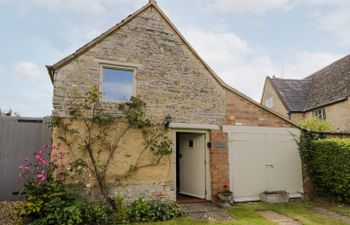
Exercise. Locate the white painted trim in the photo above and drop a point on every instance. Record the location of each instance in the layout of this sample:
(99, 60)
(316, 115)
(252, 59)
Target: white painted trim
(207, 158)
(261, 130)
(120, 67)
(194, 126)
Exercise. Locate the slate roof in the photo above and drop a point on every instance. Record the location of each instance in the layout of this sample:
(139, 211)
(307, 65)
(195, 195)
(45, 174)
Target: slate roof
(294, 93)
(328, 85)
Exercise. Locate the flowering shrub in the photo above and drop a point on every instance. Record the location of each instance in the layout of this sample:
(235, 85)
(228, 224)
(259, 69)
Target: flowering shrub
(49, 200)
(36, 171)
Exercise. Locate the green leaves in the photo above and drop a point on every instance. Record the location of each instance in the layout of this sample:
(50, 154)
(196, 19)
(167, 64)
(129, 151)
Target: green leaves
(328, 165)
(150, 211)
(316, 124)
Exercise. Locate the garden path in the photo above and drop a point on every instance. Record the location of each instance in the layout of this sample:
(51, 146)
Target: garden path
(207, 212)
(334, 215)
(277, 218)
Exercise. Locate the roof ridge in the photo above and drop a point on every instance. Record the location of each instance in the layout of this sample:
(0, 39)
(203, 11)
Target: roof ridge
(332, 64)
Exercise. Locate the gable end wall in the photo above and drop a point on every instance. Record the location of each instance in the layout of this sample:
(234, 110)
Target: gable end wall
(169, 77)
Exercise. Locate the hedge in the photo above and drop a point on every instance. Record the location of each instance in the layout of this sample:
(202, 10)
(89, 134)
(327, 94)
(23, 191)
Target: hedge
(328, 165)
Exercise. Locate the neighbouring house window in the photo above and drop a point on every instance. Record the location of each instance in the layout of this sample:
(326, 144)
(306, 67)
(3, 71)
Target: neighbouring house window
(320, 113)
(117, 84)
(269, 102)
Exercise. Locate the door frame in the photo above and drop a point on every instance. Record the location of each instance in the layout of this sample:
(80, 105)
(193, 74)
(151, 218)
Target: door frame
(207, 159)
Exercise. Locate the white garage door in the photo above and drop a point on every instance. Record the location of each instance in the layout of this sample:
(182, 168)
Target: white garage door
(263, 159)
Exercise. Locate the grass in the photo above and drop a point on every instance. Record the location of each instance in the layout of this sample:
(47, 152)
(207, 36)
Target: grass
(333, 206)
(245, 214)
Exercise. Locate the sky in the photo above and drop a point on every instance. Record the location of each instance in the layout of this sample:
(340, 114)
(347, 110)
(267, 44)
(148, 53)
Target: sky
(242, 40)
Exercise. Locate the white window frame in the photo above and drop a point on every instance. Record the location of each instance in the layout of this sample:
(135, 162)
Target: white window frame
(320, 113)
(117, 67)
(269, 102)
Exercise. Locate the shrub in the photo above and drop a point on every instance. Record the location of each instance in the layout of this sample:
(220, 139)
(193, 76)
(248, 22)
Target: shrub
(49, 199)
(122, 212)
(144, 211)
(328, 165)
(95, 213)
(316, 124)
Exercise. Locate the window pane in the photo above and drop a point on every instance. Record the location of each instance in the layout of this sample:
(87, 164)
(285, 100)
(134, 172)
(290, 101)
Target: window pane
(117, 84)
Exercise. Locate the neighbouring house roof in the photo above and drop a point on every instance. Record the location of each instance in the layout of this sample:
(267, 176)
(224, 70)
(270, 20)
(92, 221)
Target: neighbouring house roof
(294, 93)
(331, 84)
(326, 86)
(52, 69)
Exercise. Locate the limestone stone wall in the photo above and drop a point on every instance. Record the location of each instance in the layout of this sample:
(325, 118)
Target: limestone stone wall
(338, 114)
(169, 77)
(297, 117)
(270, 92)
(148, 182)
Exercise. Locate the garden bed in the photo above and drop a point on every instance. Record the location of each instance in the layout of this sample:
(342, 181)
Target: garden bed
(8, 213)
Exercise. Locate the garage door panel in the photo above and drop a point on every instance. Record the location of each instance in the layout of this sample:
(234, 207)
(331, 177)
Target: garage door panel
(246, 173)
(283, 155)
(263, 159)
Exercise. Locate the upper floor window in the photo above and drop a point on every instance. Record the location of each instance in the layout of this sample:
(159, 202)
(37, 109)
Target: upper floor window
(117, 84)
(269, 102)
(320, 113)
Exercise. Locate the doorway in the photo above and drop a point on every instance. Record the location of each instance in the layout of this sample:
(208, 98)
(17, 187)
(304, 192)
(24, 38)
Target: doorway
(191, 169)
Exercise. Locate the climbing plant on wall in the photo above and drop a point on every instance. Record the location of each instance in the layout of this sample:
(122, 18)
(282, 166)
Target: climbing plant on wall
(95, 140)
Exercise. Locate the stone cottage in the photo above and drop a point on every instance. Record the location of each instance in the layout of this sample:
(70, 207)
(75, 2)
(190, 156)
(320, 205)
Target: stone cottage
(220, 136)
(324, 95)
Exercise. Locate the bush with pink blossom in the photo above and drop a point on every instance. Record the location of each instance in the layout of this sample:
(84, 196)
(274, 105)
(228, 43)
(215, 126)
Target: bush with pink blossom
(49, 198)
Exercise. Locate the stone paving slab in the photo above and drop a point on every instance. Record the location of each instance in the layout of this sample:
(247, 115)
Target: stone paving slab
(277, 218)
(207, 212)
(334, 215)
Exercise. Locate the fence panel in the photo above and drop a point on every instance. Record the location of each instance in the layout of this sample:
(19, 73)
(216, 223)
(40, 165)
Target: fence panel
(20, 137)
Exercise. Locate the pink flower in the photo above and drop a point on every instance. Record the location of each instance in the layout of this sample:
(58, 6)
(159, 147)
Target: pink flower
(23, 168)
(59, 144)
(61, 154)
(26, 159)
(39, 152)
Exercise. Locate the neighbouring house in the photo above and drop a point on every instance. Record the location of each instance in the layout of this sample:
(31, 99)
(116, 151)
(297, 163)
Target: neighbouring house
(324, 94)
(220, 135)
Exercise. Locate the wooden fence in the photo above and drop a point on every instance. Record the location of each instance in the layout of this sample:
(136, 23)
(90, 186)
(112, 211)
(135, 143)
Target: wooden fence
(20, 137)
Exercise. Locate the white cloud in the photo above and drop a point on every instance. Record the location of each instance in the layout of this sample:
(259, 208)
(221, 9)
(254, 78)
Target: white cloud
(306, 63)
(252, 6)
(94, 7)
(245, 68)
(233, 59)
(27, 71)
(329, 15)
(336, 21)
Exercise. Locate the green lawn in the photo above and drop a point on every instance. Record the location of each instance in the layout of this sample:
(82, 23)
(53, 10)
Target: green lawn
(336, 207)
(245, 214)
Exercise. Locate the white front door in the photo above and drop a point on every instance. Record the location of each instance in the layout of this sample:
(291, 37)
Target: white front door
(192, 164)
